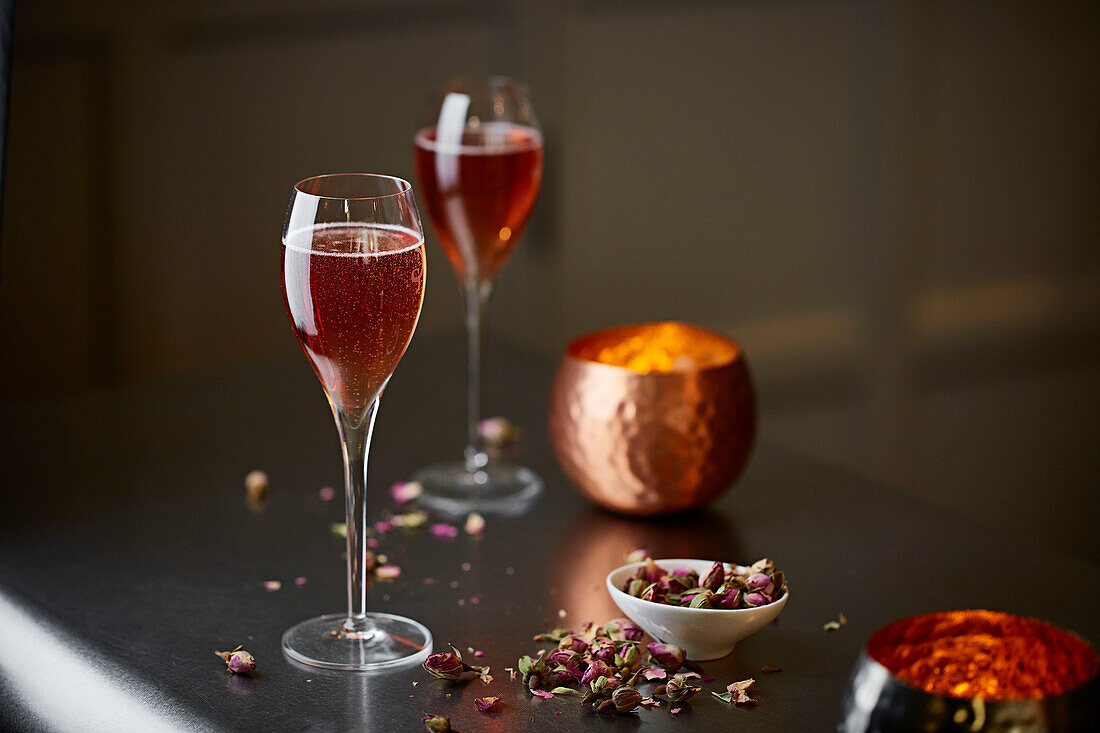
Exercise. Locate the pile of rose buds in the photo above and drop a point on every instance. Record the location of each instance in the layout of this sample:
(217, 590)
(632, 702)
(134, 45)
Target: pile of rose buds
(604, 665)
(759, 585)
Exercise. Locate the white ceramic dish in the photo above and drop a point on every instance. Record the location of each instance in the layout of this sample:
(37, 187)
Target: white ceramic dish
(703, 633)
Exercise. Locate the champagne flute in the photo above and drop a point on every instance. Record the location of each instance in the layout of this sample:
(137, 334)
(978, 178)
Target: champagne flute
(353, 284)
(479, 158)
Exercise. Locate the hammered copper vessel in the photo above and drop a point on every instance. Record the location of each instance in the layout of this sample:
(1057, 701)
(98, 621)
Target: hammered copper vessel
(651, 443)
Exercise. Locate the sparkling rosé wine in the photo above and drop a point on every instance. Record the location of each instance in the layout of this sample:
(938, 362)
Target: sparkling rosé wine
(353, 293)
(479, 192)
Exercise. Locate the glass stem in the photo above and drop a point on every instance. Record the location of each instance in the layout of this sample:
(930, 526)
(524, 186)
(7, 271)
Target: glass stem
(355, 440)
(476, 296)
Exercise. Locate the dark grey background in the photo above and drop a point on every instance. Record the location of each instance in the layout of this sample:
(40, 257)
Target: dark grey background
(893, 206)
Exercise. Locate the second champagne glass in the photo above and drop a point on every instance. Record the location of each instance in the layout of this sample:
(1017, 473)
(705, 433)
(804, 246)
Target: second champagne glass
(479, 159)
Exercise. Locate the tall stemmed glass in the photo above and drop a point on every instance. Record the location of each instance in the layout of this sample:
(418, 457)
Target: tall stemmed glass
(353, 283)
(479, 158)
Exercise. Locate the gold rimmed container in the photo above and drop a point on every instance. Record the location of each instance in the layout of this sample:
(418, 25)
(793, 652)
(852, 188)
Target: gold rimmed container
(653, 418)
(916, 675)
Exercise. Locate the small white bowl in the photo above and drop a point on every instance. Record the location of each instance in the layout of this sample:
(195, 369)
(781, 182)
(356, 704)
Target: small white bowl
(703, 633)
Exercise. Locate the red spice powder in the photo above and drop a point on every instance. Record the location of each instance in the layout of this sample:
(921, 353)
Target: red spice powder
(986, 654)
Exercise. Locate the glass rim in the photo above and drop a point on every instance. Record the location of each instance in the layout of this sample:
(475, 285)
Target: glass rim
(405, 188)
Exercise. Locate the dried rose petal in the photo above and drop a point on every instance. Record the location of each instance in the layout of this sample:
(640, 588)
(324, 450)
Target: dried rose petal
(444, 530)
(327, 493)
(381, 527)
(475, 524)
(542, 693)
(272, 585)
(301, 580)
(654, 673)
(487, 704)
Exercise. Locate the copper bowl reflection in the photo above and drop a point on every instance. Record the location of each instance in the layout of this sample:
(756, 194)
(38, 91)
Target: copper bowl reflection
(652, 443)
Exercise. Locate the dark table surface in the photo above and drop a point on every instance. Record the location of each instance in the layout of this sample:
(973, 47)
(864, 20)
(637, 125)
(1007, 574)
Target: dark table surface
(128, 554)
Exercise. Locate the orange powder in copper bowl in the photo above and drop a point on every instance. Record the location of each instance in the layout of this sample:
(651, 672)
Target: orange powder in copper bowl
(972, 671)
(652, 418)
(986, 654)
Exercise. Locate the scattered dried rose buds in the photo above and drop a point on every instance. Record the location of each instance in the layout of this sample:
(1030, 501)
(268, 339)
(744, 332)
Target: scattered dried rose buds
(437, 723)
(759, 585)
(238, 661)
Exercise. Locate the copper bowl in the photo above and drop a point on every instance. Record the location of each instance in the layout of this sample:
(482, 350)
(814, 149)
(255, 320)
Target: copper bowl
(878, 701)
(669, 435)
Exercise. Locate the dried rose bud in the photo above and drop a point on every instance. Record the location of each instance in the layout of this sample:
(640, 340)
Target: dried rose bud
(603, 649)
(238, 661)
(680, 688)
(565, 657)
(573, 643)
(475, 524)
(604, 685)
(595, 670)
(702, 599)
(387, 572)
(668, 656)
(624, 628)
(653, 571)
(445, 531)
(445, 665)
(630, 657)
(729, 599)
(327, 493)
(713, 578)
(635, 587)
(497, 432)
(257, 487)
(405, 491)
(763, 565)
(758, 581)
(637, 555)
(754, 600)
(437, 723)
(487, 704)
(653, 593)
(626, 698)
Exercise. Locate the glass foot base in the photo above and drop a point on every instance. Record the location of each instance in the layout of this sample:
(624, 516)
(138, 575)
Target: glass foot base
(392, 642)
(498, 488)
